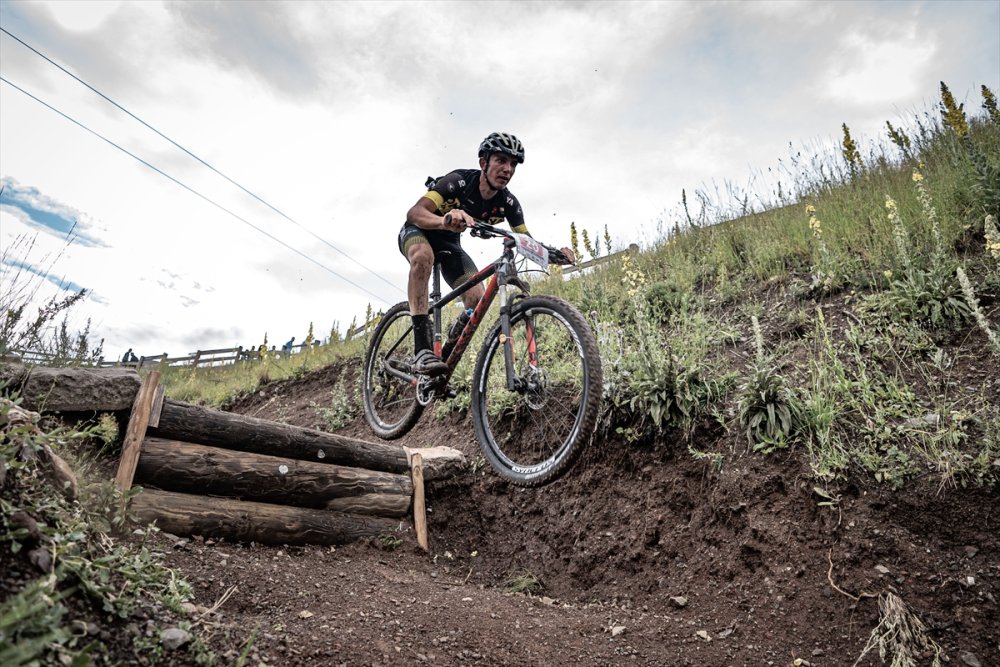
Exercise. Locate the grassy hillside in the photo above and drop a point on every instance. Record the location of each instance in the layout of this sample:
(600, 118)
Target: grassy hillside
(835, 319)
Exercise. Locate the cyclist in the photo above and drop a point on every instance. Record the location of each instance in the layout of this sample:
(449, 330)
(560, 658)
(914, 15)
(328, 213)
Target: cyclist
(434, 225)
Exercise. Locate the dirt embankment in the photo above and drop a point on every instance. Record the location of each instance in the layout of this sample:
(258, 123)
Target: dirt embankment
(641, 555)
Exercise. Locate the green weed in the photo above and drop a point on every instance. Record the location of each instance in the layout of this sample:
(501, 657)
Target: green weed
(522, 581)
(768, 409)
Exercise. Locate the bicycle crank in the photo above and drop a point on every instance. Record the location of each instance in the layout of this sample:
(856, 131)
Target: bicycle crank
(429, 388)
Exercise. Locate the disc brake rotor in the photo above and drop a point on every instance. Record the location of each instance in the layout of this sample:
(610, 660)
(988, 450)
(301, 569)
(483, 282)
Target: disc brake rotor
(536, 395)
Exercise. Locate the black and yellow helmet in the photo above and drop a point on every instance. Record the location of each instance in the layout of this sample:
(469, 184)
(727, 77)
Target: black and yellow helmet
(501, 142)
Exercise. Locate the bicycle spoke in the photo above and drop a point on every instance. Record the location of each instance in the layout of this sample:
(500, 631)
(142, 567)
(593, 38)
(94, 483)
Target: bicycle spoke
(390, 403)
(531, 427)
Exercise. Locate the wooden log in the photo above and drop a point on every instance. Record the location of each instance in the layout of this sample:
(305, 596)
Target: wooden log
(374, 504)
(242, 521)
(191, 423)
(136, 431)
(419, 509)
(72, 389)
(185, 467)
(439, 462)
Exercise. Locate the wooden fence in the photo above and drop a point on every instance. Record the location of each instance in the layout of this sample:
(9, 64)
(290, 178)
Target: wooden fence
(232, 355)
(631, 250)
(218, 357)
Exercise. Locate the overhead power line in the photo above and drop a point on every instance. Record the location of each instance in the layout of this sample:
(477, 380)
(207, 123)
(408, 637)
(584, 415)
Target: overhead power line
(147, 125)
(193, 191)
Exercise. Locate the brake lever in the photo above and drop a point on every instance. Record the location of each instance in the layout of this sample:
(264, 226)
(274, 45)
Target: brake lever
(558, 256)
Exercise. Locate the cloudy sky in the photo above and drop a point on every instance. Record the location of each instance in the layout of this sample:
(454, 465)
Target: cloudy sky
(321, 120)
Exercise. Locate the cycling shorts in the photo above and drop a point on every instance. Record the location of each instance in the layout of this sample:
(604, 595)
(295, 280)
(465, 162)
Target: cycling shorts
(456, 265)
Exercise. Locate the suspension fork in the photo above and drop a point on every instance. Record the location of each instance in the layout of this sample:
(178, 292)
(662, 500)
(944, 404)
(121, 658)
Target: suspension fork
(514, 381)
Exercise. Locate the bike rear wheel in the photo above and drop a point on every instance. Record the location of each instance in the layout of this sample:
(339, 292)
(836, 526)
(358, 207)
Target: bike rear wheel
(533, 433)
(390, 403)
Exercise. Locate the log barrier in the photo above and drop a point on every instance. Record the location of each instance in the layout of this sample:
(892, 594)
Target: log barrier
(223, 475)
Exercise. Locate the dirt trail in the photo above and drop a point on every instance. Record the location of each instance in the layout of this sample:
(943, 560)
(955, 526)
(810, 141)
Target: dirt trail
(642, 555)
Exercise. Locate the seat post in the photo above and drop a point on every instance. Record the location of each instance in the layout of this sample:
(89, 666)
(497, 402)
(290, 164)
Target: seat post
(435, 295)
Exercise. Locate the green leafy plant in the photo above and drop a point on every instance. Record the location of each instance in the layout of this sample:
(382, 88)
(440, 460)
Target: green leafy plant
(665, 299)
(925, 290)
(768, 409)
(522, 581)
(390, 542)
(66, 542)
(343, 407)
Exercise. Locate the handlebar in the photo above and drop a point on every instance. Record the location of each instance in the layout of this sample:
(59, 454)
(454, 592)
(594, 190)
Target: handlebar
(485, 231)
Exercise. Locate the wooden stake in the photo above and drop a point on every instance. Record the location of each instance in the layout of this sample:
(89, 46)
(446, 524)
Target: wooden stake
(419, 509)
(154, 415)
(136, 431)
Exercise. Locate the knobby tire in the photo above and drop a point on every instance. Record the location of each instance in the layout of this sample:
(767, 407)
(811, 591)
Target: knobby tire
(391, 406)
(532, 437)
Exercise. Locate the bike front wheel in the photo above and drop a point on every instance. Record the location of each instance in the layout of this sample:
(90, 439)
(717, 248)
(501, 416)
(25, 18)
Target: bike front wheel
(533, 431)
(391, 406)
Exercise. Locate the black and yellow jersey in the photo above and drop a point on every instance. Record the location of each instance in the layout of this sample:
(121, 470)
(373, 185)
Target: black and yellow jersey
(460, 190)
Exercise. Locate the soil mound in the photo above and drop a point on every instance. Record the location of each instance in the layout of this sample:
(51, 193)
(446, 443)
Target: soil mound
(640, 555)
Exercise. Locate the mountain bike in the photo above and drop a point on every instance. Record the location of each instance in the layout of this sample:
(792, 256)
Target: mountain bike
(536, 387)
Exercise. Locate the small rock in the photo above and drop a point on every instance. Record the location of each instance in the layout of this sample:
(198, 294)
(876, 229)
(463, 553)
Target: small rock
(679, 601)
(970, 659)
(173, 638)
(62, 474)
(617, 630)
(882, 569)
(970, 551)
(305, 613)
(21, 519)
(41, 558)
(725, 633)
(547, 600)
(704, 635)
(928, 420)
(817, 652)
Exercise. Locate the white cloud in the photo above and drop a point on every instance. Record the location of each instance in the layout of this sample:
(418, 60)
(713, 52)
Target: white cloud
(335, 114)
(878, 71)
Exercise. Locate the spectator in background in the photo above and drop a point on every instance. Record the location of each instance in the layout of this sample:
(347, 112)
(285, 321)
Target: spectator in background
(129, 357)
(287, 347)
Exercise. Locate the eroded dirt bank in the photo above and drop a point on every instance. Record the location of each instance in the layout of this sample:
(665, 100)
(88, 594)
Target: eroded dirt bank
(643, 555)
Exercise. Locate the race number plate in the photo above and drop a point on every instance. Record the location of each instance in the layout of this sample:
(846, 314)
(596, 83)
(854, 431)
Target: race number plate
(533, 250)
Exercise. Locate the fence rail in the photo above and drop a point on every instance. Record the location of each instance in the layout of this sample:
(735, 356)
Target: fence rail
(218, 357)
(631, 250)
